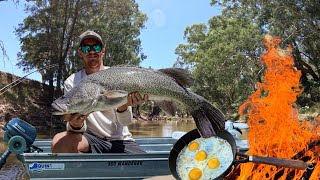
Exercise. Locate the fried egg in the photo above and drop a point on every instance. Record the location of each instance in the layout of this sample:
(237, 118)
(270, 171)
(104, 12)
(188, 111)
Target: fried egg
(204, 159)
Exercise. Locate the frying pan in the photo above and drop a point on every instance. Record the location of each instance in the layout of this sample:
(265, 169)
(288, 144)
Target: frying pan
(237, 157)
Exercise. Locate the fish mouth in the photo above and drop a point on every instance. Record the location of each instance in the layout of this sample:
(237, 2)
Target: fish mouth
(58, 109)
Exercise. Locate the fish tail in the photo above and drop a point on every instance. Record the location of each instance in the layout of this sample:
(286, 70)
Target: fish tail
(209, 119)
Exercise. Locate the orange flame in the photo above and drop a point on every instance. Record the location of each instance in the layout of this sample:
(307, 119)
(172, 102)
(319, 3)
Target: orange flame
(275, 130)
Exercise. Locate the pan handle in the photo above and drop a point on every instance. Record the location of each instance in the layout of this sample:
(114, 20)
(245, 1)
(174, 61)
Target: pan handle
(289, 163)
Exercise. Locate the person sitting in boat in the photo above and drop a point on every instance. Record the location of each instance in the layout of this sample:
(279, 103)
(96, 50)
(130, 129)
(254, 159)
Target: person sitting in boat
(97, 132)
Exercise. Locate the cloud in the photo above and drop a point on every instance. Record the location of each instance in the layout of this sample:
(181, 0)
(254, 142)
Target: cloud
(155, 2)
(158, 18)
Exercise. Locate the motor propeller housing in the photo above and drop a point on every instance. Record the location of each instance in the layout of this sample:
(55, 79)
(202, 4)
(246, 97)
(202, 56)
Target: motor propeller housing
(18, 127)
(19, 135)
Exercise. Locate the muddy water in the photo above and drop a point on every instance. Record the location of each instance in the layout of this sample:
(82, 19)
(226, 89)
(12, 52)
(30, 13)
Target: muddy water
(13, 169)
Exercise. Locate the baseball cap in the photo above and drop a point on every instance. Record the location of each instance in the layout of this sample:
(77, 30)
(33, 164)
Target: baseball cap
(90, 34)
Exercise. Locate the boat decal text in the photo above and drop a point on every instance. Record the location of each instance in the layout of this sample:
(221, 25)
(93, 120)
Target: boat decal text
(125, 163)
(39, 167)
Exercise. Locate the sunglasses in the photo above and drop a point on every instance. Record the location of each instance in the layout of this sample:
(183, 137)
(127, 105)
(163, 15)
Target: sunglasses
(87, 48)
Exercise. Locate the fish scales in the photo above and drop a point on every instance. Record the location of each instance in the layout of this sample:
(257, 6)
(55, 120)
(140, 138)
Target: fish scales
(144, 81)
(108, 89)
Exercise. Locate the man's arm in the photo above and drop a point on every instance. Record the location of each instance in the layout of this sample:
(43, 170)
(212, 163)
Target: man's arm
(134, 98)
(124, 113)
(76, 122)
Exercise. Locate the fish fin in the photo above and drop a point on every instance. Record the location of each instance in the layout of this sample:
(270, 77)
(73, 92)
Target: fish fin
(209, 119)
(115, 94)
(181, 76)
(169, 107)
(111, 100)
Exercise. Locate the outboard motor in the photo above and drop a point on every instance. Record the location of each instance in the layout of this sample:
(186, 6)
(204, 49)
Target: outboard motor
(19, 135)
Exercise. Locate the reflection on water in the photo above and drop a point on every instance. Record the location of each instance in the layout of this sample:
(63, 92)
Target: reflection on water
(160, 128)
(13, 169)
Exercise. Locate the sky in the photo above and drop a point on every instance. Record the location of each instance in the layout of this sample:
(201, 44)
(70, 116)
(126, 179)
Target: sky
(163, 32)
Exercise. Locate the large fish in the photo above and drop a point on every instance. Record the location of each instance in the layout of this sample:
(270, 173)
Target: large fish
(108, 89)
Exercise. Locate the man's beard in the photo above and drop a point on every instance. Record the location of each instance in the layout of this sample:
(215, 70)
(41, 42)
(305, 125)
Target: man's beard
(94, 62)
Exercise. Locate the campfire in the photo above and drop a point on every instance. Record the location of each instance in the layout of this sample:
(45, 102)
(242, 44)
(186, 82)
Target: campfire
(275, 130)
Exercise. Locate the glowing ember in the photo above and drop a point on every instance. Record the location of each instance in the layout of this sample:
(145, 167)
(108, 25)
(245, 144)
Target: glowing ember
(275, 130)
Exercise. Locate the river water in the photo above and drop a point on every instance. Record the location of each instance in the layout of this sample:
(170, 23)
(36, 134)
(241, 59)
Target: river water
(13, 169)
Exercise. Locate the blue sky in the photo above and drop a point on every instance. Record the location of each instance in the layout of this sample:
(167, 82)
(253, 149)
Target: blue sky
(167, 20)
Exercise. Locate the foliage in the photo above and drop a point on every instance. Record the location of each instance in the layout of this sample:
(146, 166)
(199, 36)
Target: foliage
(121, 23)
(3, 50)
(49, 35)
(224, 55)
(224, 59)
(296, 23)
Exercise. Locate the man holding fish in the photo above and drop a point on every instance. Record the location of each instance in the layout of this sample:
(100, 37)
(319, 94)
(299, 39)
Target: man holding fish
(99, 131)
(108, 92)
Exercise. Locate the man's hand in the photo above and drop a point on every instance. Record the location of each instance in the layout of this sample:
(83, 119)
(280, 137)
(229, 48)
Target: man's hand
(134, 98)
(75, 120)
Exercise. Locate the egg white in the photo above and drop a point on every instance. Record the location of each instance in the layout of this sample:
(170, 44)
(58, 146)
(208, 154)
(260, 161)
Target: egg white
(215, 147)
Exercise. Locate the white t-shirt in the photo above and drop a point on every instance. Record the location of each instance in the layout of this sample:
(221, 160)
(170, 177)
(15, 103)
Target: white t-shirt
(105, 124)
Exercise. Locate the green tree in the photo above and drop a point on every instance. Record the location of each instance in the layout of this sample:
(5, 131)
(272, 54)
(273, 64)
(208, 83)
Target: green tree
(296, 23)
(223, 57)
(120, 23)
(49, 35)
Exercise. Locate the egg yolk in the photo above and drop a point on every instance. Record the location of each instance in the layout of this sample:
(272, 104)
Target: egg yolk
(201, 155)
(195, 174)
(193, 146)
(213, 163)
